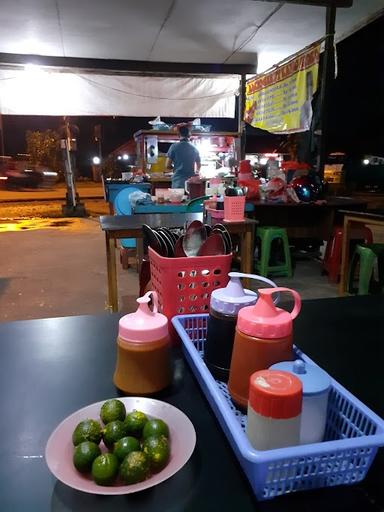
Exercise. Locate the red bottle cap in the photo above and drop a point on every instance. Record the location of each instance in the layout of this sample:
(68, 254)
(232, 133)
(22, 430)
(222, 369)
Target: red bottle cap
(275, 394)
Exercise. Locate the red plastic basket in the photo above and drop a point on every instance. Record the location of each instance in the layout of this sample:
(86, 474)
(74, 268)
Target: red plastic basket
(215, 214)
(184, 285)
(234, 208)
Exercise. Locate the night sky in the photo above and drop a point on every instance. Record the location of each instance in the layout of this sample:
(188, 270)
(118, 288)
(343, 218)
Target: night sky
(356, 110)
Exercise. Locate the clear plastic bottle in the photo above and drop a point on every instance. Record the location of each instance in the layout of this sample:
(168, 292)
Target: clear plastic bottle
(274, 409)
(263, 337)
(225, 305)
(143, 364)
(316, 385)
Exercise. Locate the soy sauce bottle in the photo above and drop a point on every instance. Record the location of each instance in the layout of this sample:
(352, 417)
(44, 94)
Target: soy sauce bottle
(225, 305)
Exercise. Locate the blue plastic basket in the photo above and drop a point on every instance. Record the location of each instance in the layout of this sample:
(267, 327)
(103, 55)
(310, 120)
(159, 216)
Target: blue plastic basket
(352, 437)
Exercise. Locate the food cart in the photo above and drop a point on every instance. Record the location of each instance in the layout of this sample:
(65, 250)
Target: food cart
(215, 149)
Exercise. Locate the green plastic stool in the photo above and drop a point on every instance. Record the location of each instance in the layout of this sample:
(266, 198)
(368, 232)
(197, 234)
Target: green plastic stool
(266, 236)
(367, 255)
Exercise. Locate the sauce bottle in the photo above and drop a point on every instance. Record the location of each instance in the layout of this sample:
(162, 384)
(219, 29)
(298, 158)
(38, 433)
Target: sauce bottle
(316, 386)
(274, 409)
(143, 364)
(263, 337)
(225, 305)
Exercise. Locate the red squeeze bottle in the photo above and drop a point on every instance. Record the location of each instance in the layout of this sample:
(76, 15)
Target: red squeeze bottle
(263, 337)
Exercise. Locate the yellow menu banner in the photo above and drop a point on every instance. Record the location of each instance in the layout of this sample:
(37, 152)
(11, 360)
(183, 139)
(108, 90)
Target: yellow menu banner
(280, 101)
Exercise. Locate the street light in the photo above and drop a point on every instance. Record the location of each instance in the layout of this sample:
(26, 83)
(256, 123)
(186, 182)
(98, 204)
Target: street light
(96, 160)
(125, 156)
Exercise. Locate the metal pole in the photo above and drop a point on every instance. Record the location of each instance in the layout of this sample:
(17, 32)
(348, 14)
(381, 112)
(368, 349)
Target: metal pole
(2, 147)
(326, 78)
(240, 115)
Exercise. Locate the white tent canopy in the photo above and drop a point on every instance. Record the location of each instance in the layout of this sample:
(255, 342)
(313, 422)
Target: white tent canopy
(199, 31)
(46, 92)
(152, 31)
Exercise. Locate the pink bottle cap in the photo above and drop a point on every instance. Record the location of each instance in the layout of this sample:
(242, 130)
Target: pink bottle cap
(144, 325)
(264, 319)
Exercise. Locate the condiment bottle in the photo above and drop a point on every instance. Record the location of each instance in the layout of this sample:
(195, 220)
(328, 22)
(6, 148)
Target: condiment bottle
(274, 409)
(263, 337)
(225, 305)
(143, 363)
(316, 385)
(220, 203)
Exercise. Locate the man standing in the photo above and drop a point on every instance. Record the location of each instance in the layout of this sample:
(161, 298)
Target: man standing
(183, 158)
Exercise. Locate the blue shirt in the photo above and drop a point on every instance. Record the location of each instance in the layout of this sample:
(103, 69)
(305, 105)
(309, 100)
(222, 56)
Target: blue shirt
(184, 155)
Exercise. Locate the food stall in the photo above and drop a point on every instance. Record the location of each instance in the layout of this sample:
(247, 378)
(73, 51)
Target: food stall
(215, 149)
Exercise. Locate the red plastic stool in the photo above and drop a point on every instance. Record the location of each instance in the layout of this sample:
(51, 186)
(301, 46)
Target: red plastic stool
(332, 256)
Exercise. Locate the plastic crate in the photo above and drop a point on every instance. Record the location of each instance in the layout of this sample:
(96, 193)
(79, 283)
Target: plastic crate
(352, 436)
(215, 214)
(184, 285)
(234, 208)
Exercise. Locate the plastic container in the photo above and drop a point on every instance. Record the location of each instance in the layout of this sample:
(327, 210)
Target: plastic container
(352, 436)
(234, 208)
(263, 338)
(215, 214)
(220, 203)
(143, 364)
(316, 385)
(225, 305)
(274, 409)
(184, 285)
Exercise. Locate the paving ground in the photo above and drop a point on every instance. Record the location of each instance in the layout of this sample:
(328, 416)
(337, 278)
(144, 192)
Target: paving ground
(57, 270)
(56, 267)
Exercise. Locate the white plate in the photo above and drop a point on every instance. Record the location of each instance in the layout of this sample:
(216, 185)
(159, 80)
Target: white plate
(59, 449)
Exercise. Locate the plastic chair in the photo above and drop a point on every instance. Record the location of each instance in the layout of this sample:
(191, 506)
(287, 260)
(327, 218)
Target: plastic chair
(122, 206)
(266, 236)
(196, 205)
(367, 255)
(332, 256)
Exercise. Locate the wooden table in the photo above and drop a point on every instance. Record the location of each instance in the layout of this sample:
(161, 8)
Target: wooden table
(130, 226)
(349, 218)
(305, 220)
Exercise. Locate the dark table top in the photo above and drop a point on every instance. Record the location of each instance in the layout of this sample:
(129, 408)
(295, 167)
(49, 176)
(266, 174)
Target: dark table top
(333, 202)
(50, 368)
(155, 220)
(169, 220)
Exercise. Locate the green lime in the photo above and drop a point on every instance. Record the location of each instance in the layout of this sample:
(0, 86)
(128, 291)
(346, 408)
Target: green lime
(157, 450)
(112, 410)
(87, 430)
(84, 454)
(134, 468)
(105, 468)
(155, 427)
(134, 423)
(124, 446)
(112, 432)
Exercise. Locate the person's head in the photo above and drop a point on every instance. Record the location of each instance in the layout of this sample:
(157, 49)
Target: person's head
(184, 132)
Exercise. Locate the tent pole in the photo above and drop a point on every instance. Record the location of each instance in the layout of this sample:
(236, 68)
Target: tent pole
(2, 146)
(326, 78)
(240, 115)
